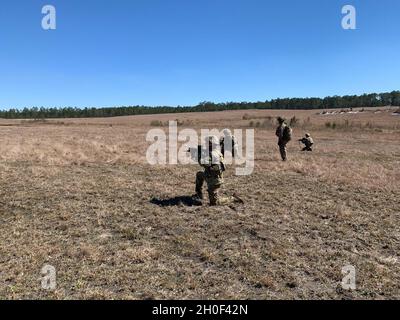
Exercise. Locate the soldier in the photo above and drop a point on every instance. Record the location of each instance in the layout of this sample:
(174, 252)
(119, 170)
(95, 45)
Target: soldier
(308, 142)
(284, 134)
(228, 143)
(213, 175)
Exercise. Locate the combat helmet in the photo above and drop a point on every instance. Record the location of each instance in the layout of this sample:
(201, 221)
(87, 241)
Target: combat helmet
(281, 120)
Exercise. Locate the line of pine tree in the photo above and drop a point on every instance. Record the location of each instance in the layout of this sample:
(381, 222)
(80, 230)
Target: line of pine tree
(335, 102)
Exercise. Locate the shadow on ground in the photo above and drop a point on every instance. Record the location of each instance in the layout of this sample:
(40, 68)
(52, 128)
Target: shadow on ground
(176, 201)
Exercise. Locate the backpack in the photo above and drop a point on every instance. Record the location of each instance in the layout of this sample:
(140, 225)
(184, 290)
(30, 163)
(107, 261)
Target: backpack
(287, 134)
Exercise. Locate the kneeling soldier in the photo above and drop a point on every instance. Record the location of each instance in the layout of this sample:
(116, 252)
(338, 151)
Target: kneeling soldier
(308, 142)
(213, 175)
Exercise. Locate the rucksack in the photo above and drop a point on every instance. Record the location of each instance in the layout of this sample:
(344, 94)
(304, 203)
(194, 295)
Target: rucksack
(287, 134)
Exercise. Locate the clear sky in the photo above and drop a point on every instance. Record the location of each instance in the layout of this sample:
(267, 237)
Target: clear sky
(181, 52)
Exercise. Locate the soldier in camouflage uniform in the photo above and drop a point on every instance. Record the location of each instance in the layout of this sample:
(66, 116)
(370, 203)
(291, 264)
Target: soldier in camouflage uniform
(308, 142)
(213, 175)
(228, 143)
(284, 134)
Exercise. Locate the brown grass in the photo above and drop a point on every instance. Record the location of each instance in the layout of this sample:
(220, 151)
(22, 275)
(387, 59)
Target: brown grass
(76, 194)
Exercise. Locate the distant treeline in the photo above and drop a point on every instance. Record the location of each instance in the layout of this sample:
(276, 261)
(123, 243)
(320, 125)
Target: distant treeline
(365, 100)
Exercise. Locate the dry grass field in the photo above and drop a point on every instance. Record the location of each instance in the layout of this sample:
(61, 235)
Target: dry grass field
(77, 194)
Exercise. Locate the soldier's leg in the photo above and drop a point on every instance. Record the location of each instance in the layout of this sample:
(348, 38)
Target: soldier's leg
(216, 199)
(199, 184)
(282, 149)
(225, 200)
(213, 194)
(284, 152)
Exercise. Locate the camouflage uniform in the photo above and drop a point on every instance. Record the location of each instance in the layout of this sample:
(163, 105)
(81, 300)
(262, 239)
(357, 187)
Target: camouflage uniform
(282, 141)
(308, 142)
(213, 176)
(228, 143)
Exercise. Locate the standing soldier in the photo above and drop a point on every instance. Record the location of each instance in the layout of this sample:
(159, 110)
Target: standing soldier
(284, 134)
(228, 143)
(213, 175)
(308, 142)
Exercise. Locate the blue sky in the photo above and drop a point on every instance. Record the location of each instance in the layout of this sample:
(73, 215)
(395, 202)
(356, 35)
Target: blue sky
(181, 52)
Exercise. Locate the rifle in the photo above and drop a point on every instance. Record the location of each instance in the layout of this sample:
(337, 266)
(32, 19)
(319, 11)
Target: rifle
(199, 153)
(196, 153)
